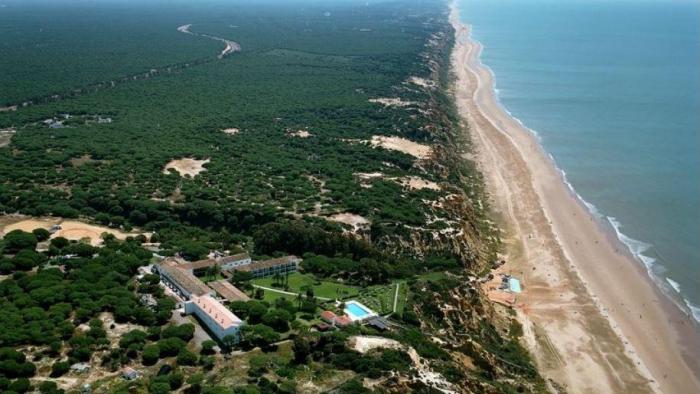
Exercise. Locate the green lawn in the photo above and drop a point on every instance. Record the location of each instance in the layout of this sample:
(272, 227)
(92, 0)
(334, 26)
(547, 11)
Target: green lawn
(381, 298)
(299, 282)
(271, 296)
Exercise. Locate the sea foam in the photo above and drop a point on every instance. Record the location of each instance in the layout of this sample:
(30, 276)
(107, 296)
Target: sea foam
(635, 247)
(676, 286)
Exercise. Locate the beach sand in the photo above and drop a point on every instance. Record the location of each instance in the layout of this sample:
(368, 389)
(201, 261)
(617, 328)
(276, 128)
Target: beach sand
(593, 320)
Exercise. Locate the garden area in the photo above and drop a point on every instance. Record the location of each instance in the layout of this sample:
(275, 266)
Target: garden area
(301, 283)
(381, 298)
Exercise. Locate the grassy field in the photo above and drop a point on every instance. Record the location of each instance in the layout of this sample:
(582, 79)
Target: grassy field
(381, 298)
(298, 283)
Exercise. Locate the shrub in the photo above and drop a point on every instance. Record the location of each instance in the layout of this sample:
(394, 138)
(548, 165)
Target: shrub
(171, 346)
(183, 331)
(150, 355)
(186, 357)
(41, 234)
(59, 368)
(17, 240)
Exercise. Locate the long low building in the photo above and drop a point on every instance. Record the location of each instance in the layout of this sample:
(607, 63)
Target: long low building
(225, 263)
(182, 282)
(228, 291)
(280, 265)
(218, 319)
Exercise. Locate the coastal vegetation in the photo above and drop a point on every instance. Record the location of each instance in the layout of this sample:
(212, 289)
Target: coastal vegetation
(302, 96)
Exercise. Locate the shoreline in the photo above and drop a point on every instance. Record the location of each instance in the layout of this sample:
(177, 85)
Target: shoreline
(593, 319)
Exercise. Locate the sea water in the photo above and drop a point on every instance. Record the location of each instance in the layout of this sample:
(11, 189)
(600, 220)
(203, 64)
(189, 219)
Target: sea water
(612, 89)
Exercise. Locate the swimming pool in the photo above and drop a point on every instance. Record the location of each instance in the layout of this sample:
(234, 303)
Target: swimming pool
(514, 285)
(357, 311)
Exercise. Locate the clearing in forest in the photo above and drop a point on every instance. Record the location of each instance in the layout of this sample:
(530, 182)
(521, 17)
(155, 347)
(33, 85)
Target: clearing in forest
(418, 183)
(231, 130)
(6, 137)
(300, 134)
(422, 82)
(408, 147)
(356, 221)
(363, 344)
(391, 102)
(186, 166)
(70, 229)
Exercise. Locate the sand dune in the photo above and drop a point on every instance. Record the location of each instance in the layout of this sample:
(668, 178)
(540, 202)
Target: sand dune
(186, 166)
(408, 147)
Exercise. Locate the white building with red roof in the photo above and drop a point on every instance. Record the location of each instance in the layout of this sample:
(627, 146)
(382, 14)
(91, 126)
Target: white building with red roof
(219, 320)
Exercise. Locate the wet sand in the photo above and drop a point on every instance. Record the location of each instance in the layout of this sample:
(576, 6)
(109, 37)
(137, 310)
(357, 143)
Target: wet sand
(593, 320)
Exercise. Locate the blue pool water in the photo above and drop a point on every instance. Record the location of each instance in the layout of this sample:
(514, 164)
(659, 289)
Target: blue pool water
(514, 285)
(612, 88)
(356, 311)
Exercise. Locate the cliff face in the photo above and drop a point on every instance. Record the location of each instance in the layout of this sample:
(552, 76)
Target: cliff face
(467, 232)
(481, 339)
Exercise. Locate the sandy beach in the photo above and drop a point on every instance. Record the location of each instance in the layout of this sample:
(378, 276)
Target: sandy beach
(593, 320)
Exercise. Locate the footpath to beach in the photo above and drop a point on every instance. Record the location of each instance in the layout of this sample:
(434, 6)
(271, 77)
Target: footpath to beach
(592, 318)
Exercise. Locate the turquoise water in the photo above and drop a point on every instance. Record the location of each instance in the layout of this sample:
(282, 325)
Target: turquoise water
(612, 88)
(357, 311)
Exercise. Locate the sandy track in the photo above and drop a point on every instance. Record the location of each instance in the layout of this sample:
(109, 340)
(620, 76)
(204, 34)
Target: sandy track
(230, 46)
(593, 320)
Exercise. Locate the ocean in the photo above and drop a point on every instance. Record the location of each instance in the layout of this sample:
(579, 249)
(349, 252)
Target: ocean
(612, 90)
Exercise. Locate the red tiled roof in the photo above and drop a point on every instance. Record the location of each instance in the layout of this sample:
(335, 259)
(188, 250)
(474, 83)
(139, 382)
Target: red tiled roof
(228, 291)
(328, 316)
(223, 317)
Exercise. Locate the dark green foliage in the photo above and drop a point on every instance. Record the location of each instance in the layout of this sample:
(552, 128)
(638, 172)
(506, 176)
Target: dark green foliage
(170, 346)
(258, 335)
(151, 354)
(301, 348)
(59, 368)
(175, 380)
(278, 319)
(256, 310)
(186, 357)
(21, 385)
(49, 387)
(59, 242)
(299, 238)
(17, 240)
(183, 331)
(14, 364)
(263, 191)
(134, 339)
(208, 347)
(353, 386)
(41, 234)
(423, 345)
(37, 307)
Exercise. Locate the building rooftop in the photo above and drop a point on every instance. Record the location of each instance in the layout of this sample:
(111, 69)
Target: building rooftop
(328, 315)
(195, 265)
(269, 263)
(233, 257)
(217, 311)
(228, 291)
(332, 318)
(186, 280)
